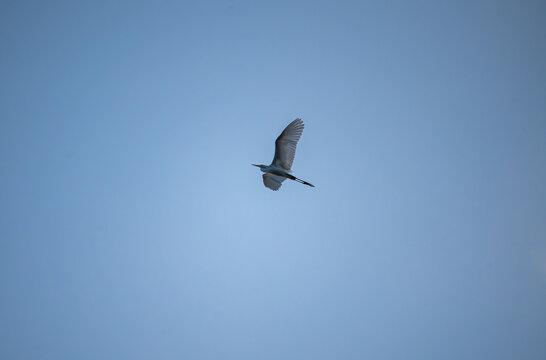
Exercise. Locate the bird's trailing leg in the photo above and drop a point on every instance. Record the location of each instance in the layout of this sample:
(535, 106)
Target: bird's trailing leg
(292, 177)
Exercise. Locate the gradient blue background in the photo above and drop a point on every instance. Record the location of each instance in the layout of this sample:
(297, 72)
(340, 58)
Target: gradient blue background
(132, 225)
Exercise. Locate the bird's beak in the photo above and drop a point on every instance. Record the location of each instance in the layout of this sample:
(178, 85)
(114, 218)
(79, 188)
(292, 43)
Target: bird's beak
(255, 165)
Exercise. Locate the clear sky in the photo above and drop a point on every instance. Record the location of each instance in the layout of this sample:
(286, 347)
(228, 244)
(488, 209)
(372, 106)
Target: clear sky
(132, 225)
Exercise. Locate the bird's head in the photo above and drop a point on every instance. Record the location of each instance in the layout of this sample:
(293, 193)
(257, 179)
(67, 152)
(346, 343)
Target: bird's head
(260, 166)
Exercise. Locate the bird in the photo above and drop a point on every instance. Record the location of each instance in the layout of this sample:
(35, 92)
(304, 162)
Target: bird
(285, 150)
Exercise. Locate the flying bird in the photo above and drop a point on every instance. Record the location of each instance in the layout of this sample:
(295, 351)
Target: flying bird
(285, 150)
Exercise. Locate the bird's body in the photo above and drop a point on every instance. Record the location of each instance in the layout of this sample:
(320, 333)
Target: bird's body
(285, 150)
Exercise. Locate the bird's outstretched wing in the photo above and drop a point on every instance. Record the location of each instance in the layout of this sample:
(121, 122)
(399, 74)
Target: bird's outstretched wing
(273, 182)
(285, 145)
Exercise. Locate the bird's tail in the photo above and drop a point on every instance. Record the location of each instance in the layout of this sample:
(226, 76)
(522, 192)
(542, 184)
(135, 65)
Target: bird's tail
(292, 177)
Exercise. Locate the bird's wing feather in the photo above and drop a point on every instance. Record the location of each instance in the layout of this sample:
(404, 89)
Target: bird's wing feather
(285, 145)
(273, 182)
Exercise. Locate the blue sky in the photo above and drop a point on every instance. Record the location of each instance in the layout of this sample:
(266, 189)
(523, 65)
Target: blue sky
(132, 225)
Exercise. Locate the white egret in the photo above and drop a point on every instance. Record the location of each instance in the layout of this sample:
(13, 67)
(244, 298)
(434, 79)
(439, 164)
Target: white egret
(285, 150)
